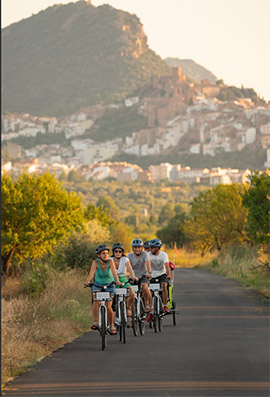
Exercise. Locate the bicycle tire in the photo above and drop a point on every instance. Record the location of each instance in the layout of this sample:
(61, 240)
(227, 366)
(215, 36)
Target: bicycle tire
(155, 315)
(160, 314)
(123, 322)
(173, 312)
(135, 320)
(103, 332)
(142, 318)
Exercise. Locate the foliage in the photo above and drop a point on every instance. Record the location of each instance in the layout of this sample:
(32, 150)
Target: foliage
(257, 199)
(117, 123)
(101, 214)
(166, 213)
(232, 93)
(218, 218)
(246, 158)
(108, 203)
(121, 233)
(79, 54)
(37, 214)
(174, 231)
(27, 142)
(190, 68)
(75, 176)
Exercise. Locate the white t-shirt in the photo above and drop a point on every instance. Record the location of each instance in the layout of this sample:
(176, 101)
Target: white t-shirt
(158, 263)
(122, 269)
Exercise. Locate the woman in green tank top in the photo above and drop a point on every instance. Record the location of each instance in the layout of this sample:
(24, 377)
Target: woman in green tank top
(103, 272)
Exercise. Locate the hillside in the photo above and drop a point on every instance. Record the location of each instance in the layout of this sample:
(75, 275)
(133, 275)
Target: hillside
(74, 55)
(192, 69)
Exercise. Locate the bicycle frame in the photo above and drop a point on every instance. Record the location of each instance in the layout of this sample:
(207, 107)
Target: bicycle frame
(157, 304)
(121, 312)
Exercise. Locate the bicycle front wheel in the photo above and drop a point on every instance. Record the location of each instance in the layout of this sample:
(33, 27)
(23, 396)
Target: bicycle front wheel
(103, 332)
(160, 315)
(142, 318)
(134, 317)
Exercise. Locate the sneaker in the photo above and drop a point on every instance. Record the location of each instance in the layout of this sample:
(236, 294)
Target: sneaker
(166, 309)
(149, 317)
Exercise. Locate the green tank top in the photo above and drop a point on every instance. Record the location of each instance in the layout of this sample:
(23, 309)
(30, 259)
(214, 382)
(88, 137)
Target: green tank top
(103, 277)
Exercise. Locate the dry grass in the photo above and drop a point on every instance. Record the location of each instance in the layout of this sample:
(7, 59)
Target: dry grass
(186, 258)
(33, 327)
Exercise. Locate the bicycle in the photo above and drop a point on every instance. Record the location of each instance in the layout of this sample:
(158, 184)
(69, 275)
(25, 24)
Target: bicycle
(157, 305)
(171, 302)
(121, 312)
(138, 312)
(103, 325)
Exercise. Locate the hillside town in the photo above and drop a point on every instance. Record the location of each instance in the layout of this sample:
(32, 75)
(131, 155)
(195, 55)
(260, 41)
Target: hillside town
(181, 116)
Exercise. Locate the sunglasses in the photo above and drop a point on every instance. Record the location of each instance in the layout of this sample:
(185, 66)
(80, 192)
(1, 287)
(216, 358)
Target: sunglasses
(152, 247)
(118, 251)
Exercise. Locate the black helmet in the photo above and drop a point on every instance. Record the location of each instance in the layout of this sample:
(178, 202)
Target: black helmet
(156, 243)
(101, 247)
(146, 244)
(118, 245)
(137, 242)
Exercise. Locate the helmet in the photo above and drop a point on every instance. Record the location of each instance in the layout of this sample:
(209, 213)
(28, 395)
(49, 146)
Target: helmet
(146, 244)
(172, 265)
(101, 247)
(137, 242)
(118, 245)
(156, 243)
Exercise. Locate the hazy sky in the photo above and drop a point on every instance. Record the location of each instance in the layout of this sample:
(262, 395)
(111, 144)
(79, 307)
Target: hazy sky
(229, 37)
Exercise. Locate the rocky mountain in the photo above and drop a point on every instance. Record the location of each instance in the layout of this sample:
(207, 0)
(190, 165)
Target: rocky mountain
(192, 69)
(75, 55)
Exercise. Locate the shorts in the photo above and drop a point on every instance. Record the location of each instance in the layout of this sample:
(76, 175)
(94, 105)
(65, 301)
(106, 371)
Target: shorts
(123, 280)
(159, 279)
(142, 280)
(110, 289)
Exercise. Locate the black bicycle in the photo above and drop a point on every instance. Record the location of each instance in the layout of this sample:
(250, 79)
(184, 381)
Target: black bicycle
(157, 305)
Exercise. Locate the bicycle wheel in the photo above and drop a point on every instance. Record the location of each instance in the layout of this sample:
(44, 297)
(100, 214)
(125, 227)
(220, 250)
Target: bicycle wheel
(173, 312)
(135, 319)
(142, 318)
(156, 314)
(123, 322)
(160, 315)
(103, 332)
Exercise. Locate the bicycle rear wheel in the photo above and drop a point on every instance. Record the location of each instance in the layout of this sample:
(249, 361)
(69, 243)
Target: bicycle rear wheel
(135, 319)
(123, 322)
(103, 332)
(142, 318)
(160, 314)
(173, 312)
(156, 314)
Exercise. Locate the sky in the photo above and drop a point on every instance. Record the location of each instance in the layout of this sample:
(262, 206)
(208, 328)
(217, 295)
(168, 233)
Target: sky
(231, 38)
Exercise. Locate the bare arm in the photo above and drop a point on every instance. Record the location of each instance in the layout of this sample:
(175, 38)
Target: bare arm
(112, 267)
(130, 270)
(148, 266)
(92, 272)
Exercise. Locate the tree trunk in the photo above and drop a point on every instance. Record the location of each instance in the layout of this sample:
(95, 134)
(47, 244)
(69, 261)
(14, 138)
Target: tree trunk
(6, 262)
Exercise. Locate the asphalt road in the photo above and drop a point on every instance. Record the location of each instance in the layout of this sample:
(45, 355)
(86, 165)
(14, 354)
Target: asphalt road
(219, 347)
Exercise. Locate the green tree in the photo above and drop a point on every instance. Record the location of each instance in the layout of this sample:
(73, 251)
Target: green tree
(218, 218)
(37, 214)
(174, 231)
(108, 203)
(166, 213)
(257, 199)
(101, 214)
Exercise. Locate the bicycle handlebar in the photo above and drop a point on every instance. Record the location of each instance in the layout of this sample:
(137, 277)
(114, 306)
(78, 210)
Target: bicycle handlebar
(100, 286)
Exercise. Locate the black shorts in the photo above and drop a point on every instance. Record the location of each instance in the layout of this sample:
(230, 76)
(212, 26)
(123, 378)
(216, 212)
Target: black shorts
(159, 279)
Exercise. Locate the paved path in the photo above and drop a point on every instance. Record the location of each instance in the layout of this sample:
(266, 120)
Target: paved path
(219, 347)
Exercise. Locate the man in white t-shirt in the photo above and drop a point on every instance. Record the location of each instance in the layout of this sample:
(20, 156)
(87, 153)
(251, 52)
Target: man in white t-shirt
(160, 269)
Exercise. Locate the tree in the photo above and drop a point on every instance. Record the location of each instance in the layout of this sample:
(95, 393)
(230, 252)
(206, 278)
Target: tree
(101, 214)
(218, 218)
(166, 213)
(108, 202)
(37, 214)
(257, 199)
(174, 231)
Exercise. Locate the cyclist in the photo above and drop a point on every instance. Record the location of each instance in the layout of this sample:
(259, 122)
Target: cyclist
(104, 273)
(140, 263)
(122, 265)
(160, 269)
(146, 246)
